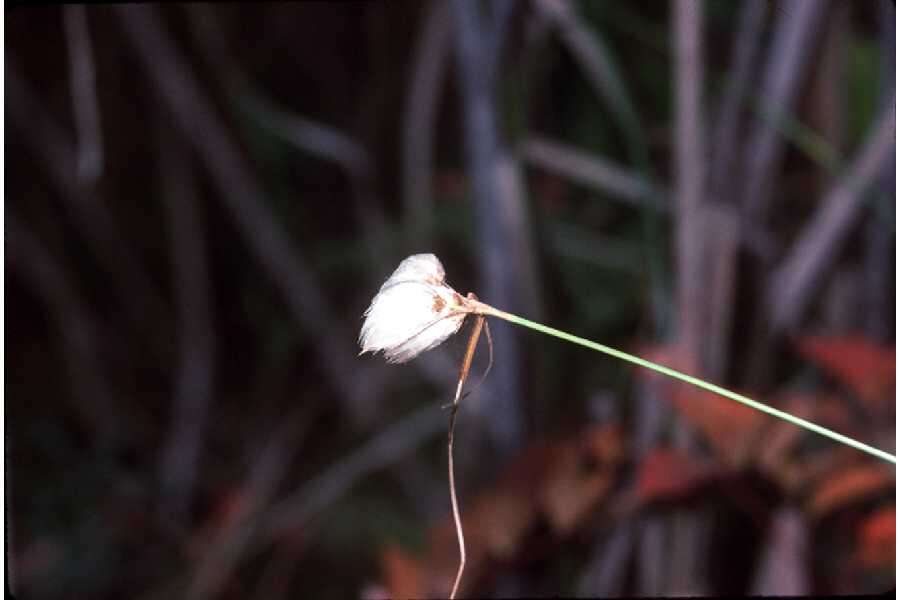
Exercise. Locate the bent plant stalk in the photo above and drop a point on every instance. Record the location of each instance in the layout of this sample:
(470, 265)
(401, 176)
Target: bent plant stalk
(463, 374)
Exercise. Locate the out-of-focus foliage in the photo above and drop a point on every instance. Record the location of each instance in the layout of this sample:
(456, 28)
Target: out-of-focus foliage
(187, 269)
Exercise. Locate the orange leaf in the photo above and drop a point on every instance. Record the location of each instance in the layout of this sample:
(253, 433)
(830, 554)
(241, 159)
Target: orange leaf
(848, 486)
(877, 536)
(866, 368)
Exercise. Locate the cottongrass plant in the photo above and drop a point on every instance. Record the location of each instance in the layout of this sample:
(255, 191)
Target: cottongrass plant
(416, 310)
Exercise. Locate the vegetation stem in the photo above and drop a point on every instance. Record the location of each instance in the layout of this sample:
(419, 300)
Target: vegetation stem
(485, 309)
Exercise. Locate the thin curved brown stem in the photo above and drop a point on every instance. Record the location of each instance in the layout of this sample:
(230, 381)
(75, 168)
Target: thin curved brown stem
(455, 504)
(463, 374)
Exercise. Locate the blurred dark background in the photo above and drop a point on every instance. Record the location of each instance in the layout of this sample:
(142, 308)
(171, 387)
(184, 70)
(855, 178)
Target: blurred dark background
(202, 199)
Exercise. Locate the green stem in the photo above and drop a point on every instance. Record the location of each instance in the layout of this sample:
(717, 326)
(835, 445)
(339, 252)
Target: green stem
(491, 311)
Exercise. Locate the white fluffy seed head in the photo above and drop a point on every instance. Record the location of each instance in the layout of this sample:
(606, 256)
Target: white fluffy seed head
(414, 311)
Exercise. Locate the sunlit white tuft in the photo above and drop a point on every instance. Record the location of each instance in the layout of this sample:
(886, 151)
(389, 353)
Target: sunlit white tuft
(414, 311)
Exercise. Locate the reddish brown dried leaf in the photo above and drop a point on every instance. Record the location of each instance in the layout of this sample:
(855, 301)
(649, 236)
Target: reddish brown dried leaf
(581, 475)
(811, 470)
(403, 574)
(499, 520)
(775, 447)
(847, 486)
(728, 426)
(832, 411)
(669, 474)
(666, 355)
(562, 480)
(866, 368)
(876, 538)
(781, 437)
(494, 523)
(604, 445)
